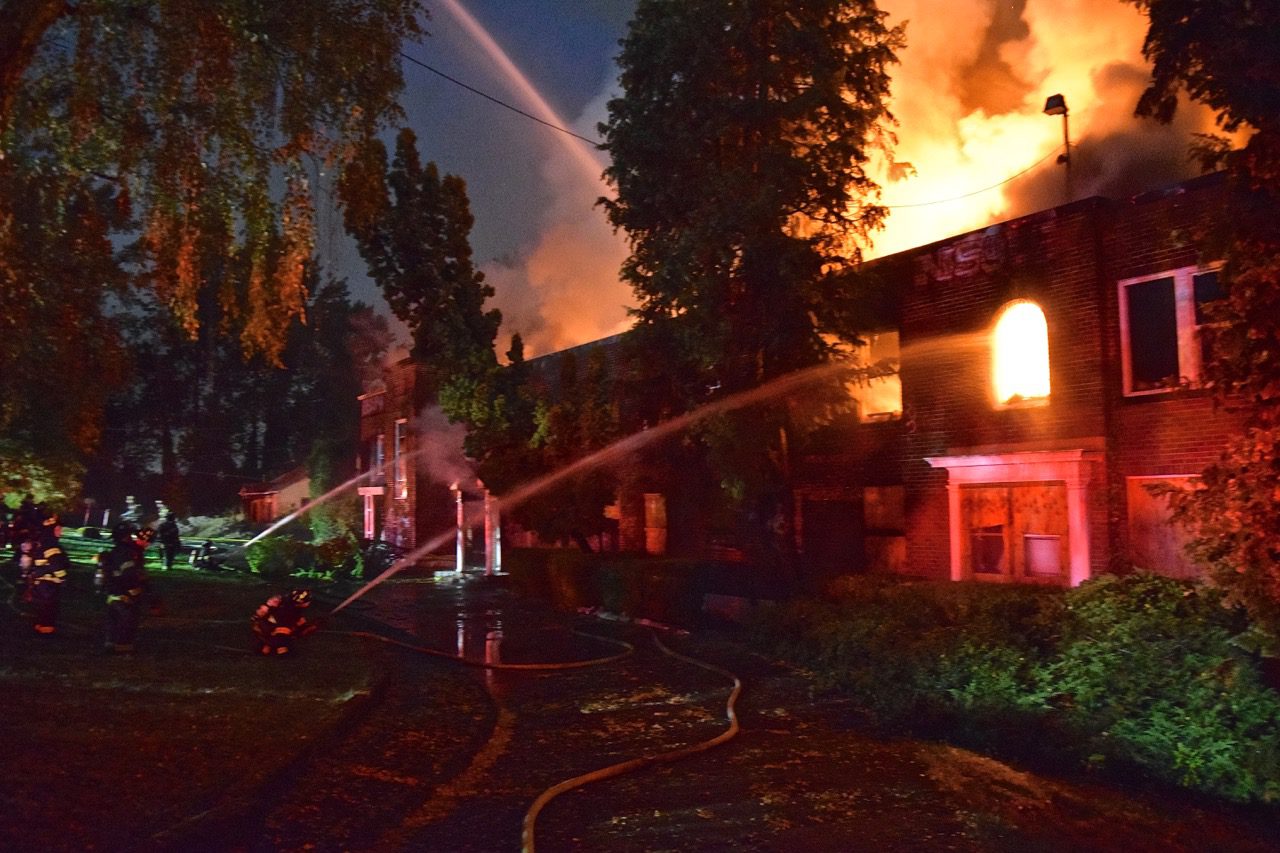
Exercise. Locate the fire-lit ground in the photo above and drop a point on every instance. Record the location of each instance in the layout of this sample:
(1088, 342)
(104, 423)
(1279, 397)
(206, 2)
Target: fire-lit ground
(362, 745)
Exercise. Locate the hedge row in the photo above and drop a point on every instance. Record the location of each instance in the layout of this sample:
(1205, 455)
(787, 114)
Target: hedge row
(670, 591)
(1137, 673)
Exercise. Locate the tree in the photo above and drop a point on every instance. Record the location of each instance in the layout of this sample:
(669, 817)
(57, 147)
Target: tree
(189, 112)
(60, 355)
(519, 429)
(413, 228)
(1222, 54)
(739, 156)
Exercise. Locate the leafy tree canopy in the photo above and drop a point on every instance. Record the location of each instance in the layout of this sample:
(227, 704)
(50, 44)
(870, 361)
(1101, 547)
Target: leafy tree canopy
(739, 151)
(201, 117)
(413, 228)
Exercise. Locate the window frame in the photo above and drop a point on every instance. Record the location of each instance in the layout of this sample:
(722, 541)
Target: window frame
(399, 467)
(1186, 330)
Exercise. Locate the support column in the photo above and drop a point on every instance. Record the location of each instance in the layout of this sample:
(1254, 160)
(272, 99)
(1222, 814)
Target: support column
(490, 528)
(1078, 529)
(955, 525)
(461, 521)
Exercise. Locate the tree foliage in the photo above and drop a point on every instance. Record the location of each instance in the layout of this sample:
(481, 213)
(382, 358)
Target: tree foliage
(1222, 54)
(521, 427)
(195, 421)
(413, 228)
(740, 148)
(60, 354)
(202, 118)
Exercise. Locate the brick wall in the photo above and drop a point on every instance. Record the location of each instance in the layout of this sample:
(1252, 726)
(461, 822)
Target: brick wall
(956, 290)
(1179, 432)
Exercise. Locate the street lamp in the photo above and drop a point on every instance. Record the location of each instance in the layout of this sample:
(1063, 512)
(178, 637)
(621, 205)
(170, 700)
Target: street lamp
(1056, 105)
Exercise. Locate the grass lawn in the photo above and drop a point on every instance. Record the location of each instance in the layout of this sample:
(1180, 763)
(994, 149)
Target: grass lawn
(106, 751)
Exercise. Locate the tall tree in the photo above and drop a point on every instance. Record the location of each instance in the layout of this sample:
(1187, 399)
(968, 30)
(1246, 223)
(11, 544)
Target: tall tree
(740, 147)
(60, 355)
(190, 111)
(413, 228)
(1222, 53)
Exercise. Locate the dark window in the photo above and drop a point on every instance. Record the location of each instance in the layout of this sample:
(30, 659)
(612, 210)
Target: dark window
(1153, 334)
(1207, 289)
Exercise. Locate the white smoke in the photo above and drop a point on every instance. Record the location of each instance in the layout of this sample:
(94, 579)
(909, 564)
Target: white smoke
(438, 448)
(564, 288)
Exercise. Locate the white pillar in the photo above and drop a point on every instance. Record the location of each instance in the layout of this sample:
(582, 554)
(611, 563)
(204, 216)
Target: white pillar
(458, 546)
(1078, 528)
(497, 537)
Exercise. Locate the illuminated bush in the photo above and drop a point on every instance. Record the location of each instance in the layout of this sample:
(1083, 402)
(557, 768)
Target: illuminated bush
(277, 557)
(1147, 674)
(1137, 673)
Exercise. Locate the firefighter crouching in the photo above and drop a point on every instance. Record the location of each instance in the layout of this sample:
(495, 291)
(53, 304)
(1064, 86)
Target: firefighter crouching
(280, 620)
(48, 574)
(123, 578)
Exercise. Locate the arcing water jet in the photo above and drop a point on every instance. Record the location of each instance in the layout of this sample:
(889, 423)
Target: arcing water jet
(621, 448)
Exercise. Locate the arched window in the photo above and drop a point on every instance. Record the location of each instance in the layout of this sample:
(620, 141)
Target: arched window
(1020, 355)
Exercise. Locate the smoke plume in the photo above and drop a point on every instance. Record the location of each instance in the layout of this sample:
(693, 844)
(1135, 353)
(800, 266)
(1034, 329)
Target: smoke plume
(438, 446)
(969, 97)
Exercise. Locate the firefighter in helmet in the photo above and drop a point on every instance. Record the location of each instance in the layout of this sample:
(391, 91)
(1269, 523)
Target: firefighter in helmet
(124, 580)
(48, 574)
(280, 620)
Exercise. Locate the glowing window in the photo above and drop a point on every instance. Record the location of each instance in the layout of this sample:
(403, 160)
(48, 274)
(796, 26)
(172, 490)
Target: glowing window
(1020, 355)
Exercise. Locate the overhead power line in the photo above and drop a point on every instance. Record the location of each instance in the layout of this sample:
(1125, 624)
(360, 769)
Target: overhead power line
(596, 142)
(498, 101)
(975, 192)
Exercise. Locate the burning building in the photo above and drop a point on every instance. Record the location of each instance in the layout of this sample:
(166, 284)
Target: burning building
(1050, 371)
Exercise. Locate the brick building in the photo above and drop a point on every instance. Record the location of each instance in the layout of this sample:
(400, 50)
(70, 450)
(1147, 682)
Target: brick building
(1049, 372)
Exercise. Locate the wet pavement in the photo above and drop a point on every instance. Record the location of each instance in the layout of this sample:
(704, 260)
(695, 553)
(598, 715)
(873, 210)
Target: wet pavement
(803, 774)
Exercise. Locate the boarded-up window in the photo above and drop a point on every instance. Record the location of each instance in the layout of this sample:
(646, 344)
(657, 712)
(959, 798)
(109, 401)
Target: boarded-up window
(883, 508)
(1156, 544)
(1017, 531)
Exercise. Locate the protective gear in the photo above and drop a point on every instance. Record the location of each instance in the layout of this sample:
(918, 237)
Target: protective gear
(207, 556)
(145, 537)
(124, 580)
(48, 573)
(170, 539)
(280, 620)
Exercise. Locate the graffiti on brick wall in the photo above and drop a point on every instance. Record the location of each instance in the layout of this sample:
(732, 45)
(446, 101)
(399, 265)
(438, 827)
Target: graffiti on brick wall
(960, 260)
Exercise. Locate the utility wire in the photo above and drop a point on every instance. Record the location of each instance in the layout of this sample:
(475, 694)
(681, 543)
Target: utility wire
(975, 192)
(498, 101)
(596, 143)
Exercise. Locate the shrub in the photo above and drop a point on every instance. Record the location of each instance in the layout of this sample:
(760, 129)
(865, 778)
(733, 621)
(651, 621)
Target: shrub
(1148, 676)
(1139, 672)
(341, 557)
(277, 557)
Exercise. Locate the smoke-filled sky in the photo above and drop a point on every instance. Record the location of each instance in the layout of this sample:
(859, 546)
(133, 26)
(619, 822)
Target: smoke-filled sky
(968, 94)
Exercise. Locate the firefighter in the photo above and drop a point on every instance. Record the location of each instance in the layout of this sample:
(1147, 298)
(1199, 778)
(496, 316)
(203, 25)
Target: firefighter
(170, 539)
(48, 574)
(124, 580)
(280, 620)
